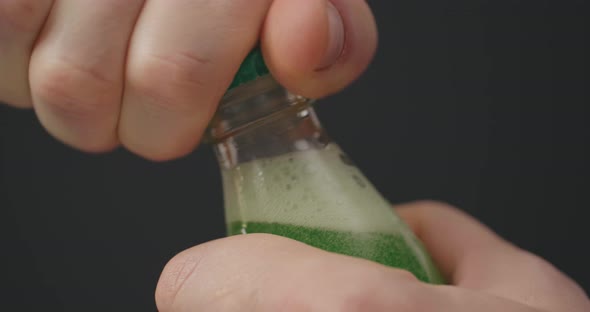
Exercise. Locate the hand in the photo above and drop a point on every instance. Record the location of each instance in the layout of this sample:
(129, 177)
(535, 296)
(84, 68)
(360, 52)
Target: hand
(148, 74)
(258, 272)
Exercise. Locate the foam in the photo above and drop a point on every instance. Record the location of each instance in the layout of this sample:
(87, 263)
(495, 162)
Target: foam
(314, 188)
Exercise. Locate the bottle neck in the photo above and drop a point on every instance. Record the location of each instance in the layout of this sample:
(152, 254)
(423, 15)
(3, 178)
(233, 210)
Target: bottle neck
(261, 119)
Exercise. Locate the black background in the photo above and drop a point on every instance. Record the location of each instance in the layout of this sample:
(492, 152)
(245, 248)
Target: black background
(478, 103)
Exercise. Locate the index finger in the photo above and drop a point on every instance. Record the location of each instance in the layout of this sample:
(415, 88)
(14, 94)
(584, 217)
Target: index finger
(261, 272)
(472, 256)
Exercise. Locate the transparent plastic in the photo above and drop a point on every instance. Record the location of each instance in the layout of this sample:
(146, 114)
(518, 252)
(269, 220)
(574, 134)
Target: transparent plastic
(283, 175)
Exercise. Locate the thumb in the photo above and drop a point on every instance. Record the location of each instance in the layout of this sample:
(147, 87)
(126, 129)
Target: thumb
(316, 48)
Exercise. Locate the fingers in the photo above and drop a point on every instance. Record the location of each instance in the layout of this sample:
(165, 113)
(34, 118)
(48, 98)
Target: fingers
(149, 74)
(316, 48)
(270, 273)
(463, 236)
(20, 23)
(77, 70)
(183, 56)
(474, 257)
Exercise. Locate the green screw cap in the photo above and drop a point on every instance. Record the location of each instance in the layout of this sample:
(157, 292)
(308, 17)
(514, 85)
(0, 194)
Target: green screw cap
(253, 67)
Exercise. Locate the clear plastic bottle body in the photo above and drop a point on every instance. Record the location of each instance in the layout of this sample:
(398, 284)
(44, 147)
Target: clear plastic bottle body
(282, 175)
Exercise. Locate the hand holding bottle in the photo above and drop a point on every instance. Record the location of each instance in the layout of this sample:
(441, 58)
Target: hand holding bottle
(148, 74)
(268, 273)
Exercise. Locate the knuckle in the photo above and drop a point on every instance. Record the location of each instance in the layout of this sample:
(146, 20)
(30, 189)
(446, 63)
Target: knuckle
(176, 272)
(73, 90)
(542, 270)
(537, 264)
(23, 15)
(171, 81)
(544, 280)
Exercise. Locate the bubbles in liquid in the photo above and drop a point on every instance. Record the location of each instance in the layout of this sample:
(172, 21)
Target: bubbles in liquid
(320, 190)
(313, 188)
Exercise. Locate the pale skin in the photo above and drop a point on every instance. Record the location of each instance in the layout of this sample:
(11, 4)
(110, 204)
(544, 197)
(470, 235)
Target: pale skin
(147, 75)
(260, 272)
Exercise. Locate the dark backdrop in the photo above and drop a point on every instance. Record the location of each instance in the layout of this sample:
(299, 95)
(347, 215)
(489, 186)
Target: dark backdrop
(478, 103)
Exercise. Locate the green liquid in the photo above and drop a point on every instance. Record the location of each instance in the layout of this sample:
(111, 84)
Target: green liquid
(388, 249)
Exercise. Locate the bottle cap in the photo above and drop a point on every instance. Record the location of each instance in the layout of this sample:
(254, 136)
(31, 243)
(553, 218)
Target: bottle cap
(252, 68)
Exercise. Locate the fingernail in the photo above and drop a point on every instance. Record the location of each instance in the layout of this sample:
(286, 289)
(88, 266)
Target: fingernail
(336, 38)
